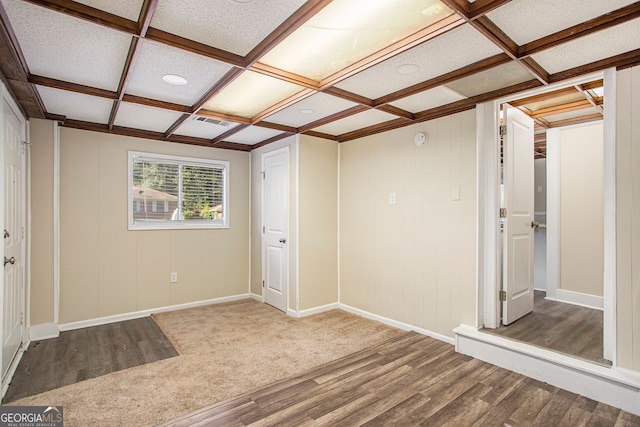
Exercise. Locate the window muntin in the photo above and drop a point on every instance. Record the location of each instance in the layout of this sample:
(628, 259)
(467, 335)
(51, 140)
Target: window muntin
(170, 192)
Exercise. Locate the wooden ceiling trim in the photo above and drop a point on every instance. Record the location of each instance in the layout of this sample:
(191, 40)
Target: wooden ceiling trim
(595, 103)
(468, 70)
(535, 69)
(233, 146)
(576, 120)
(284, 75)
(72, 87)
(600, 23)
(482, 7)
(273, 139)
(228, 133)
(542, 97)
(141, 100)
(90, 14)
(284, 30)
(388, 108)
(183, 118)
(124, 79)
(349, 96)
(496, 35)
(428, 33)
(592, 85)
(225, 81)
(297, 97)
(321, 135)
(276, 126)
(332, 118)
(623, 60)
(461, 7)
(194, 47)
(146, 13)
(563, 108)
(222, 116)
(375, 129)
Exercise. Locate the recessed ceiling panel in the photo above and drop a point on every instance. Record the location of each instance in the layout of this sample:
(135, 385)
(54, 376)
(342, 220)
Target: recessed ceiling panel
(250, 94)
(559, 100)
(426, 100)
(496, 78)
(347, 31)
(66, 48)
(75, 105)
(253, 135)
(157, 60)
(528, 20)
(450, 51)
(604, 44)
(355, 122)
(204, 127)
(310, 109)
(234, 26)
(571, 114)
(143, 117)
(129, 9)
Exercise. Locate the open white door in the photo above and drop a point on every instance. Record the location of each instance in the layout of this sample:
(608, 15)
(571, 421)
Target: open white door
(275, 201)
(13, 279)
(518, 253)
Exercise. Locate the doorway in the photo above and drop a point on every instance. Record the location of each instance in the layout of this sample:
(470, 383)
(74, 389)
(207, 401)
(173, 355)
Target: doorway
(13, 131)
(275, 228)
(490, 265)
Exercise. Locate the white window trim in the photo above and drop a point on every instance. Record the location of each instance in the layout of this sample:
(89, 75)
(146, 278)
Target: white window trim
(178, 224)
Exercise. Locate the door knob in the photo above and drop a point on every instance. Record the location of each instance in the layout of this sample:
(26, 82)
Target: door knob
(11, 260)
(282, 240)
(6, 233)
(535, 224)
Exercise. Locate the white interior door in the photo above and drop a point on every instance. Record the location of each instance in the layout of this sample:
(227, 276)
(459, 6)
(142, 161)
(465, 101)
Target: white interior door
(13, 280)
(518, 249)
(275, 200)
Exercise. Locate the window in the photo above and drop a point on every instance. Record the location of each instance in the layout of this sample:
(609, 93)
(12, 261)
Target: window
(192, 192)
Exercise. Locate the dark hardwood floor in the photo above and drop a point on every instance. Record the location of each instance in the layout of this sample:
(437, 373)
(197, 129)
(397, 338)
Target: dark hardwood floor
(412, 380)
(565, 328)
(87, 353)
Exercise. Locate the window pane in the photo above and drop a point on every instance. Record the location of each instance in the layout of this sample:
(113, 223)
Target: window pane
(202, 193)
(153, 183)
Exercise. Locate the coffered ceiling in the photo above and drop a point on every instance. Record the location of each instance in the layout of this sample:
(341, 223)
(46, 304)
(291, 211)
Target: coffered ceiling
(256, 71)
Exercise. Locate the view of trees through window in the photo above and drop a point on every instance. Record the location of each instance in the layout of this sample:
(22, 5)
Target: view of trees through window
(191, 193)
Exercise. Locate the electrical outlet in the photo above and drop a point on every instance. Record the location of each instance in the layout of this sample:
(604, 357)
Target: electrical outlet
(174, 277)
(392, 198)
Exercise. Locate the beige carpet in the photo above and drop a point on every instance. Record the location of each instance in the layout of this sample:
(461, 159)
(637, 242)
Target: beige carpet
(225, 350)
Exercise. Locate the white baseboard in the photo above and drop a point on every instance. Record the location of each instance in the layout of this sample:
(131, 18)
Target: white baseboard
(577, 298)
(44, 331)
(256, 297)
(12, 368)
(397, 324)
(144, 313)
(613, 386)
(291, 312)
(316, 310)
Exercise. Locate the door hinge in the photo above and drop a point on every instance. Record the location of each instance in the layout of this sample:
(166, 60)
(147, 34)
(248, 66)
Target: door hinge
(263, 283)
(263, 230)
(264, 175)
(503, 212)
(503, 130)
(503, 295)
(23, 232)
(22, 318)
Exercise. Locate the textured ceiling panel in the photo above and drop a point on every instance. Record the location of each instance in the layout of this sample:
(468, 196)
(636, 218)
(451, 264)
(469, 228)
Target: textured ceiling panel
(355, 122)
(528, 20)
(496, 78)
(49, 41)
(591, 48)
(147, 118)
(571, 114)
(252, 135)
(75, 105)
(200, 129)
(455, 49)
(428, 99)
(310, 109)
(129, 9)
(228, 25)
(156, 60)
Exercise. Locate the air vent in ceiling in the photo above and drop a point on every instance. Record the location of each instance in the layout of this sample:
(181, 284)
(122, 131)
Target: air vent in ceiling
(213, 121)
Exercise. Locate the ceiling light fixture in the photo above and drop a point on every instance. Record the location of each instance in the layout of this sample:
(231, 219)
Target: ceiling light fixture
(240, 1)
(174, 79)
(406, 69)
(306, 111)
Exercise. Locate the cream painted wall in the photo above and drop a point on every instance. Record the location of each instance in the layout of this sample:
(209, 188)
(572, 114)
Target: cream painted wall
(582, 209)
(628, 217)
(318, 238)
(414, 261)
(108, 270)
(41, 200)
(256, 217)
(540, 197)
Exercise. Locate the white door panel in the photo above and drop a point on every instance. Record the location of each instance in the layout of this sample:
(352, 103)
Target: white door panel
(275, 201)
(519, 203)
(13, 278)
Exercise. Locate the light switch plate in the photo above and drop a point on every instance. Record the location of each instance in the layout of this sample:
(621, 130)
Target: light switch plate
(392, 198)
(455, 193)
(174, 277)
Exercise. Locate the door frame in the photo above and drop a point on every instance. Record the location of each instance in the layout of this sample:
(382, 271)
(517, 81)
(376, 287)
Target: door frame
(25, 303)
(263, 242)
(489, 244)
